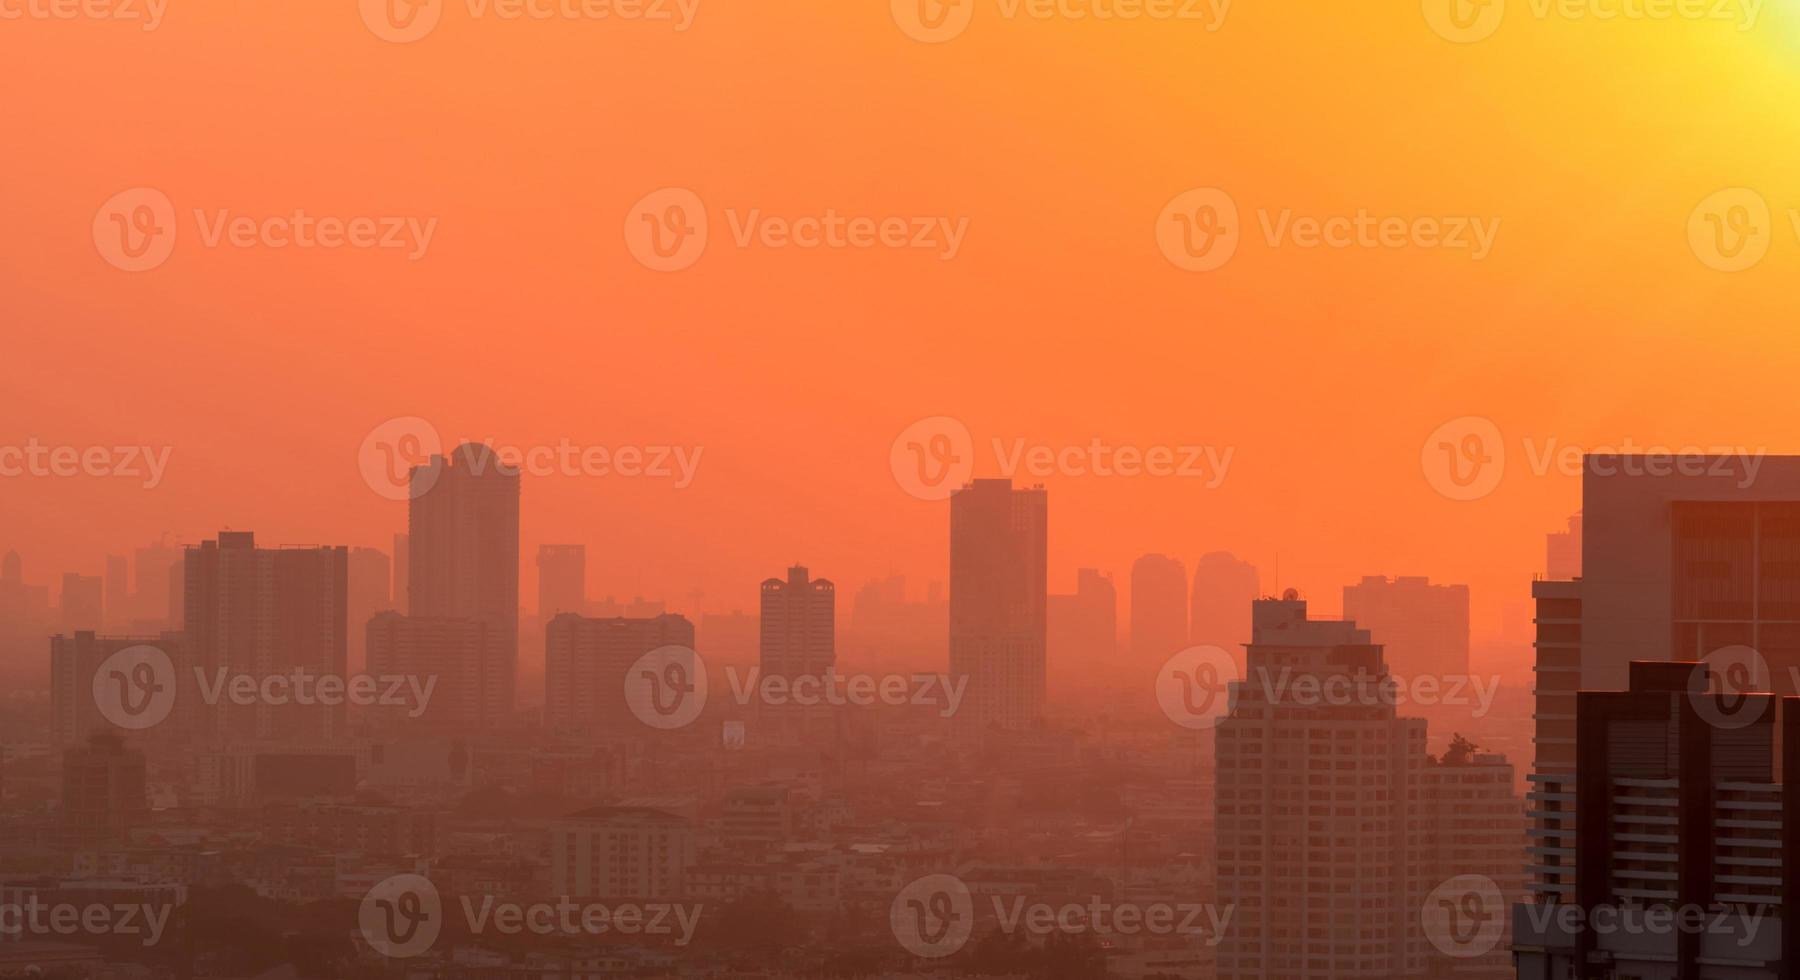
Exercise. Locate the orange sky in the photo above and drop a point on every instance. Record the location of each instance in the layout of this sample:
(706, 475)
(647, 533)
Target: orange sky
(1592, 321)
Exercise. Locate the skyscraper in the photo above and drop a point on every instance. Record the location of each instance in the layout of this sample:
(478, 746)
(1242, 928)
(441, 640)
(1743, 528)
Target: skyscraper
(156, 566)
(1159, 610)
(1322, 847)
(799, 625)
(998, 590)
(83, 602)
(1562, 553)
(585, 663)
(463, 530)
(462, 658)
(1082, 630)
(402, 580)
(103, 791)
(562, 579)
(263, 612)
(371, 578)
(74, 660)
(118, 589)
(1694, 561)
(1424, 628)
(1682, 812)
(1219, 615)
(798, 639)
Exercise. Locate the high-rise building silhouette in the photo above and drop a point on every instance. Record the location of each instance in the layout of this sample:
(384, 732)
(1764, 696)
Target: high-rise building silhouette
(798, 640)
(1321, 841)
(1159, 610)
(83, 602)
(1082, 631)
(74, 660)
(103, 791)
(562, 579)
(1424, 628)
(371, 582)
(799, 625)
(1562, 553)
(998, 590)
(402, 578)
(463, 660)
(1677, 563)
(1683, 812)
(463, 531)
(158, 569)
(1219, 613)
(258, 613)
(118, 590)
(585, 665)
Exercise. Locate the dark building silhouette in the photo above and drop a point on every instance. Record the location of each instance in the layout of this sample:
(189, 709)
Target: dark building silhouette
(1680, 811)
(370, 592)
(462, 657)
(1218, 614)
(261, 612)
(799, 640)
(1159, 610)
(463, 531)
(998, 590)
(103, 791)
(1562, 552)
(83, 602)
(585, 663)
(1424, 628)
(562, 579)
(1082, 630)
